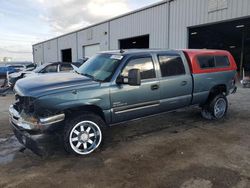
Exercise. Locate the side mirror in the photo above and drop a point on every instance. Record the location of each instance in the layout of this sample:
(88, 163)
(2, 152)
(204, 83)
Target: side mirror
(133, 78)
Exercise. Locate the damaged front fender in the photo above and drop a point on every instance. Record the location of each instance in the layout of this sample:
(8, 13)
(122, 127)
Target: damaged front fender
(29, 122)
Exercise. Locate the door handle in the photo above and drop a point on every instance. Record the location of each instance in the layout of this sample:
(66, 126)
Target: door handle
(183, 83)
(154, 87)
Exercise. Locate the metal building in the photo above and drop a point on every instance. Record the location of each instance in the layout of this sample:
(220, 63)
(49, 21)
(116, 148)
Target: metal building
(215, 24)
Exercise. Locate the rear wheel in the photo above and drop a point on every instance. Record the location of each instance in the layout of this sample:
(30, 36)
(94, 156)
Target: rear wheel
(83, 134)
(216, 108)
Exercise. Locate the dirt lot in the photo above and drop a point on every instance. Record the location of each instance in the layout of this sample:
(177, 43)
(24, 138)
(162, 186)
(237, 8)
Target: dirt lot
(178, 149)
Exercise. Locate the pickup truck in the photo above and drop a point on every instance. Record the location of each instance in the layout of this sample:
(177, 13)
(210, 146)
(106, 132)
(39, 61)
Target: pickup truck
(118, 86)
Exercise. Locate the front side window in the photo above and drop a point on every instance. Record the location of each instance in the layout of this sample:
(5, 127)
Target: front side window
(171, 65)
(145, 65)
(206, 62)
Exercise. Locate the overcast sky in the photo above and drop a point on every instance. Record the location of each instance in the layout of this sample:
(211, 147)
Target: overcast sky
(25, 22)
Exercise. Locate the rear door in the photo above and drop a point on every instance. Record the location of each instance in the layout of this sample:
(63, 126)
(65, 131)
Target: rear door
(175, 82)
(129, 102)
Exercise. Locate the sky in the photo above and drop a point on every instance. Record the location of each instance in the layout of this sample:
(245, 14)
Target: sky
(26, 22)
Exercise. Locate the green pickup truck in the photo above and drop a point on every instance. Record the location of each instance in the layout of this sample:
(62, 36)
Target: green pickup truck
(118, 86)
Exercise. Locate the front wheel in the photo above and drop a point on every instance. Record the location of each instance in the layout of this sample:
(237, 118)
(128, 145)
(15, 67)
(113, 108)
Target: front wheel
(216, 108)
(83, 134)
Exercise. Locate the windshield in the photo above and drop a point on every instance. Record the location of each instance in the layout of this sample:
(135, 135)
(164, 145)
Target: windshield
(100, 67)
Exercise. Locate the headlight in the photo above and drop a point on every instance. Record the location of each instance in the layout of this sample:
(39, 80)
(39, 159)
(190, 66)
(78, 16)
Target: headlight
(25, 103)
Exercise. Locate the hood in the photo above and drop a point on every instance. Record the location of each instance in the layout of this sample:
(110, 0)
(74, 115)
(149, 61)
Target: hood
(51, 83)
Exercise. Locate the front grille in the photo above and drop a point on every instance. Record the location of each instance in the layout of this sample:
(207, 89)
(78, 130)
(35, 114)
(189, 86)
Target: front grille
(25, 104)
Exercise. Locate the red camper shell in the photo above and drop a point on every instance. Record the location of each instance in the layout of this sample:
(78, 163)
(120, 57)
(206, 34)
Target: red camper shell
(209, 61)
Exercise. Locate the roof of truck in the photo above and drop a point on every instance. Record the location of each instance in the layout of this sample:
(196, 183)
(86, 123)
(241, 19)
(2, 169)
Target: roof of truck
(188, 51)
(133, 51)
(194, 52)
(191, 55)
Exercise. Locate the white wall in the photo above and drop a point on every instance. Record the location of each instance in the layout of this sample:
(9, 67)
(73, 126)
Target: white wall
(152, 21)
(38, 54)
(50, 51)
(66, 42)
(95, 35)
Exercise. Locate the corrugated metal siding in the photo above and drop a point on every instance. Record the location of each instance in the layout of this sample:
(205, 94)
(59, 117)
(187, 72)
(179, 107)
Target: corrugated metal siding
(152, 21)
(66, 42)
(99, 36)
(50, 49)
(187, 13)
(38, 54)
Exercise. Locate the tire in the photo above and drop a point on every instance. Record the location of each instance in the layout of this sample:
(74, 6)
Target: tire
(83, 134)
(216, 108)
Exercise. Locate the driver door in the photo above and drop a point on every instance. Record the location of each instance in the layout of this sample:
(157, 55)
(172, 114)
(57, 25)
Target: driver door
(130, 102)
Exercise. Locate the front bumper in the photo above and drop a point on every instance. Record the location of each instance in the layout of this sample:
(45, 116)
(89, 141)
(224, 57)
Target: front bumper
(36, 143)
(34, 135)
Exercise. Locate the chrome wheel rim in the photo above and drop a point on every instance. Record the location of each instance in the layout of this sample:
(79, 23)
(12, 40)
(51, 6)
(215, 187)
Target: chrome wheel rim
(85, 137)
(220, 108)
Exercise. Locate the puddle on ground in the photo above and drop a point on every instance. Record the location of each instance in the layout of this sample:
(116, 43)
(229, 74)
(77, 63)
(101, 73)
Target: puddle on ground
(8, 149)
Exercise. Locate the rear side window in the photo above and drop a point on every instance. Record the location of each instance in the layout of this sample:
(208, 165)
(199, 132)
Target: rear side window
(171, 65)
(206, 62)
(66, 67)
(50, 68)
(145, 65)
(222, 61)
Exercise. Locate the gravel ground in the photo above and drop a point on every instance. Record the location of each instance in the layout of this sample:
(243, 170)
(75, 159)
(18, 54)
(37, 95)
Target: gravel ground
(177, 149)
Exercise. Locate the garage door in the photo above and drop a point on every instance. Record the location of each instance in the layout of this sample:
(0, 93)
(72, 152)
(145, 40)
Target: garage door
(233, 36)
(90, 50)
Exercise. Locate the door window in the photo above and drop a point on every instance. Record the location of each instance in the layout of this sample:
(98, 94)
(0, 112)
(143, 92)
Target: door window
(66, 68)
(206, 62)
(171, 65)
(210, 61)
(50, 68)
(222, 61)
(145, 65)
